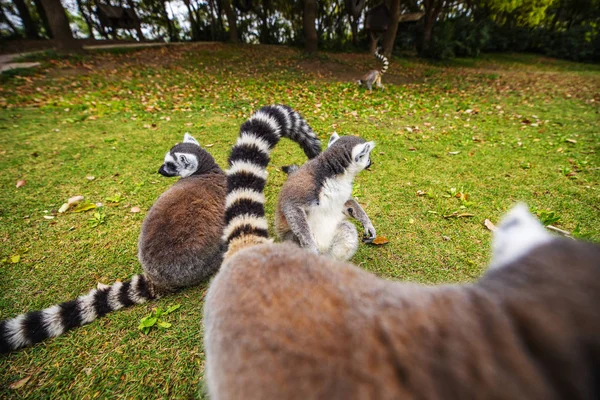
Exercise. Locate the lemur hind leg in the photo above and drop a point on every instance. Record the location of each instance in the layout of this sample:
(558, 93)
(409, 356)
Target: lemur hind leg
(345, 241)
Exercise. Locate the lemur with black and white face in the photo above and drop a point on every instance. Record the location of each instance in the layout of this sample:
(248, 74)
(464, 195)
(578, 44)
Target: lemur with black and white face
(317, 197)
(374, 76)
(180, 242)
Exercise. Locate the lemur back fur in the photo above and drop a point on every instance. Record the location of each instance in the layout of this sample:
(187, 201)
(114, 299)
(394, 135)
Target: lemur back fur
(282, 323)
(316, 200)
(180, 242)
(374, 76)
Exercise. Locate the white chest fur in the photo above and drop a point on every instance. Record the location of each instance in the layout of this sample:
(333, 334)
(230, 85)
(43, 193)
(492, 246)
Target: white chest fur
(324, 218)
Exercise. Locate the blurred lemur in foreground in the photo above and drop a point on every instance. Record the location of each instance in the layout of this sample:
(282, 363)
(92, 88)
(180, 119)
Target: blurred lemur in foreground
(374, 76)
(317, 197)
(180, 242)
(283, 323)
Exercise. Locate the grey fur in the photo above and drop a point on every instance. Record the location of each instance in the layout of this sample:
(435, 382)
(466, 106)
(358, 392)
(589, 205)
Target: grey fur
(374, 76)
(316, 198)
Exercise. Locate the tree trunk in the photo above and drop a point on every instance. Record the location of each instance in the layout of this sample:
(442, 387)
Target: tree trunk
(31, 31)
(4, 18)
(59, 26)
(170, 27)
(389, 38)
(311, 41)
(231, 20)
(432, 11)
(193, 24)
(40, 9)
(138, 28)
(374, 39)
(213, 22)
(87, 19)
(354, 28)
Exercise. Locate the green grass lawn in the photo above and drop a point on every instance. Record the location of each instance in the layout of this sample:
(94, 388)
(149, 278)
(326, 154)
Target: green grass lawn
(457, 143)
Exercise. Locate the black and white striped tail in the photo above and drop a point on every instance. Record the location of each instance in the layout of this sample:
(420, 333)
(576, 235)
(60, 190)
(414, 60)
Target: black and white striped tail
(35, 326)
(383, 60)
(247, 174)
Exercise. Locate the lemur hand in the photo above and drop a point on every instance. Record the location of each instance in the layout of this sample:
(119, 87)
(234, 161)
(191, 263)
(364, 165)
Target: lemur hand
(369, 234)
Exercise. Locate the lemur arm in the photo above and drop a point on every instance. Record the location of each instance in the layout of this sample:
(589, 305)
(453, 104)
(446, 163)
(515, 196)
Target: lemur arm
(354, 210)
(298, 223)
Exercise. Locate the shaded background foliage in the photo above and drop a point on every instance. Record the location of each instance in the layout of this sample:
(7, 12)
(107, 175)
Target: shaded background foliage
(445, 28)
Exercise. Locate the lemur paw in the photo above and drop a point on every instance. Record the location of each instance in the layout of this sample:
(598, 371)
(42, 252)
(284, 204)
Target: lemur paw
(369, 234)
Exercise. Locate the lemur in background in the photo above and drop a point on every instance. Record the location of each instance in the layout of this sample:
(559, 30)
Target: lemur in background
(180, 242)
(282, 323)
(317, 197)
(374, 76)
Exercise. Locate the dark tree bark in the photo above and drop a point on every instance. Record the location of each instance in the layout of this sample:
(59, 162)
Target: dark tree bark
(389, 38)
(43, 17)
(231, 20)
(86, 18)
(170, 27)
(31, 31)
(354, 28)
(138, 28)
(59, 26)
(433, 8)
(193, 23)
(311, 41)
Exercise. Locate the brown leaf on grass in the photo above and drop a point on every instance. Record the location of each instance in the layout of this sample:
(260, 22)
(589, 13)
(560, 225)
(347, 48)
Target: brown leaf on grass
(455, 214)
(20, 383)
(379, 240)
(421, 193)
(21, 182)
(490, 225)
(135, 209)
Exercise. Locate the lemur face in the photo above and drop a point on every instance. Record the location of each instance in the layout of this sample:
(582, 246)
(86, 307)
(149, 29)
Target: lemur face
(360, 151)
(361, 155)
(182, 159)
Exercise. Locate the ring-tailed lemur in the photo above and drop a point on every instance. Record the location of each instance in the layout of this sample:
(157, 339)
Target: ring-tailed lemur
(180, 242)
(374, 76)
(282, 323)
(317, 197)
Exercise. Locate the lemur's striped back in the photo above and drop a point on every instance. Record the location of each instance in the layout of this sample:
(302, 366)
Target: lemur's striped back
(33, 327)
(245, 222)
(384, 61)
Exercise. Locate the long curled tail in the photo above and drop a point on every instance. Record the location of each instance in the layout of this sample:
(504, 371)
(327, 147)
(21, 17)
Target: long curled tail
(383, 60)
(33, 327)
(245, 222)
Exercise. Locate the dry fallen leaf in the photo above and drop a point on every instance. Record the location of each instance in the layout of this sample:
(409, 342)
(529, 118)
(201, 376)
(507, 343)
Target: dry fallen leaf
(90, 177)
(453, 153)
(379, 240)
(20, 383)
(21, 182)
(135, 209)
(421, 193)
(209, 145)
(488, 224)
(75, 200)
(446, 238)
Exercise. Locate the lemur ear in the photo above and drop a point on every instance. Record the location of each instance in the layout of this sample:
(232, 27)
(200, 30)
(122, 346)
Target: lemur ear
(187, 138)
(518, 233)
(362, 150)
(334, 137)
